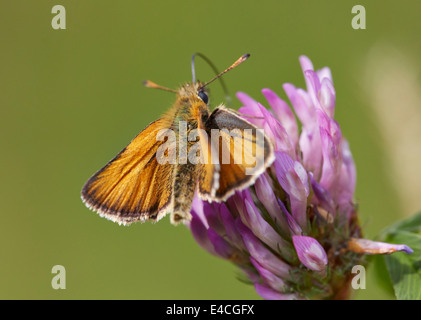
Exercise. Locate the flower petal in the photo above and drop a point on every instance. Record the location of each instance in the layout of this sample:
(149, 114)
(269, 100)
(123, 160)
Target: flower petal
(293, 225)
(264, 192)
(222, 247)
(276, 133)
(247, 100)
(250, 108)
(313, 87)
(324, 73)
(263, 230)
(331, 137)
(283, 113)
(324, 199)
(197, 209)
(302, 104)
(261, 254)
(269, 278)
(200, 234)
(230, 228)
(346, 182)
(211, 212)
(293, 179)
(373, 247)
(270, 294)
(310, 253)
(306, 63)
(328, 97)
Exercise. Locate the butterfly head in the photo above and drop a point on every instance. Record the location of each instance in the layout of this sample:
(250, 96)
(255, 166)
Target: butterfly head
(194, 91)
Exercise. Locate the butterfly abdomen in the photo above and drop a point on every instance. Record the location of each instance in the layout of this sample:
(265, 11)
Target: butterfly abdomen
(184, 188)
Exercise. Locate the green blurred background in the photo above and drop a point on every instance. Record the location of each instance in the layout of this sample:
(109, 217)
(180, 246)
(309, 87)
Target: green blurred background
(72, 99)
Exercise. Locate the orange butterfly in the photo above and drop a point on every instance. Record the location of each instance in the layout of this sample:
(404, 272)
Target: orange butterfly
(189, 149)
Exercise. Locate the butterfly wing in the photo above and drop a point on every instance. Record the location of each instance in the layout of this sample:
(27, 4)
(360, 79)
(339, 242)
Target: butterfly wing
(244, 154)
(133, 186)
(210, 169)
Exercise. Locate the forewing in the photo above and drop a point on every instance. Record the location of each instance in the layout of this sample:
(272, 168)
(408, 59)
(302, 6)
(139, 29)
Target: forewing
(133, 186)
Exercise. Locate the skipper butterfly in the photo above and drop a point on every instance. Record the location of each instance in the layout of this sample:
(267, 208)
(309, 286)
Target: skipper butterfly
(188, 150)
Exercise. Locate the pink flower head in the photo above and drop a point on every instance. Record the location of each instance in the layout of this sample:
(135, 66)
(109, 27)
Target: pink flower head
(295, 233)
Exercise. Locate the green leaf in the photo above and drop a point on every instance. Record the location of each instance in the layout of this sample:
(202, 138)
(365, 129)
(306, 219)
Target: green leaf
(411, 224)
(404, 269)
(381, 273)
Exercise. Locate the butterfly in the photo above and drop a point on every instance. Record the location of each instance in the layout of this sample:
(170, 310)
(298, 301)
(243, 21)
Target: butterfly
(188, 150)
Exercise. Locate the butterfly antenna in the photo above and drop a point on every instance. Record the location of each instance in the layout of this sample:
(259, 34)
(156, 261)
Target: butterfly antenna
(150, 84)
(224, 87)
(235, 64)
(215, 69)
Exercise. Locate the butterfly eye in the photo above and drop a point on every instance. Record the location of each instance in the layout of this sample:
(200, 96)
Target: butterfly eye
(202, 95)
